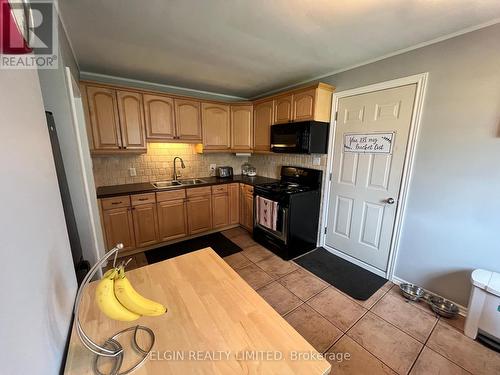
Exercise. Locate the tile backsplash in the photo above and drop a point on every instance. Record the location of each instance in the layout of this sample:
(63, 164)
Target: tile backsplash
(157, 164)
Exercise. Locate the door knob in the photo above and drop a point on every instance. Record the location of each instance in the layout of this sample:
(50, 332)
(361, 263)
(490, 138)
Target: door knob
(390, 200)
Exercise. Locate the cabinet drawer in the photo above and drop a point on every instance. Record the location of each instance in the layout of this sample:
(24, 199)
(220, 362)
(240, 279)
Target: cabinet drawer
(248, 189)
(218, 189)
(194, 192)
(143, 198)
(115, 202)
(170, 195)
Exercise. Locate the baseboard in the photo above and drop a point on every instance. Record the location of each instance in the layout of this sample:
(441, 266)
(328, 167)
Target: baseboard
(462, 310)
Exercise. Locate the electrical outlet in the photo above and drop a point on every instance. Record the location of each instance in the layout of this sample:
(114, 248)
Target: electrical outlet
(212, 168)
(316, 160)
(132, 172)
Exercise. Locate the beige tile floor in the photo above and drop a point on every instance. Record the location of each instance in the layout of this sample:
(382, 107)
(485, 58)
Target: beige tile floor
(383, 335)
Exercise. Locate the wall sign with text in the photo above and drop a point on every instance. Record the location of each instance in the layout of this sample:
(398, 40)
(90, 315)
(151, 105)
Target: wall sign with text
(370, 143)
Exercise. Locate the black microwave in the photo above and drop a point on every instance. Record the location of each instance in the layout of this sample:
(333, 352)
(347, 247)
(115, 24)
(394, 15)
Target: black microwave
(306, 137)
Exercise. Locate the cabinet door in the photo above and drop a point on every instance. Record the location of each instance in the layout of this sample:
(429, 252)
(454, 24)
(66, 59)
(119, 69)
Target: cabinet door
(303, 105)
(145, 224)
(246, 207)
(172, 219)
(119, 227)
(104, 119)
(131, 112)
(283, 109)
(248, 211)
(215, 124)
(188, 120)
(220, 210)
(199, 214)
(159, 113)
(234, 203)
(242, 127)
(263, 119)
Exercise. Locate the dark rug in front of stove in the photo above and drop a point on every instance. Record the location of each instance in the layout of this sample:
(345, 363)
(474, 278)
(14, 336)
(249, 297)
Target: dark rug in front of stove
(351, 279)
(217, 241)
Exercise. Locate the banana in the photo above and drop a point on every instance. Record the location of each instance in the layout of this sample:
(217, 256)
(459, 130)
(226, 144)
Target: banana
(132, 300)
(107, 302)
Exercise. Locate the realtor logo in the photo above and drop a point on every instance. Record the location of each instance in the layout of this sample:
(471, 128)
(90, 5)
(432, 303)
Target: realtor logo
(28, 35)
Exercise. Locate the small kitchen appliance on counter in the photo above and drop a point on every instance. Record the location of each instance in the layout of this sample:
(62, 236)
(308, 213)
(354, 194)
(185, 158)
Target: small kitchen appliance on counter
(224, 172)
(286, 213)
(248, 169)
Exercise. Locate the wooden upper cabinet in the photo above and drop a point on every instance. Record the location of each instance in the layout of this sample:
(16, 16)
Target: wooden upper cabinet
(241, 127)
(283, 109)
(104, 119)
(303, 105)
(131, 114)
(188, 120)
(159, 113)
(216, 126)
(263, 119)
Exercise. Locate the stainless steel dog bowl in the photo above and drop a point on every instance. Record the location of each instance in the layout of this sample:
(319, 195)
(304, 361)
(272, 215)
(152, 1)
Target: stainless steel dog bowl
(411, 291)
(443, 307)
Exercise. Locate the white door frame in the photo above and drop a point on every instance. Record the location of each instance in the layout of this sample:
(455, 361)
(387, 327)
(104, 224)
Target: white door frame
(421, 81)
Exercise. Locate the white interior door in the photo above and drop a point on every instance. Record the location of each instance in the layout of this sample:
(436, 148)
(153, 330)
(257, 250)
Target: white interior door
(371, 139)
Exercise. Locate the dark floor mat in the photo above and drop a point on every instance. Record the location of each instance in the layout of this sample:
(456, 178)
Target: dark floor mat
(216, 241)
(351, 279)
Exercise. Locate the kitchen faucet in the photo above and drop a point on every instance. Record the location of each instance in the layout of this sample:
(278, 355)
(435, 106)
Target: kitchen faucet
(176, 176)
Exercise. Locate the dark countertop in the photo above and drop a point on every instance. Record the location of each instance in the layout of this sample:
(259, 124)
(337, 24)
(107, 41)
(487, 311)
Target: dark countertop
(147, 187)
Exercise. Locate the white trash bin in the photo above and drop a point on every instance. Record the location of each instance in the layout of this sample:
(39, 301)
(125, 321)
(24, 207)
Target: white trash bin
(483, 316)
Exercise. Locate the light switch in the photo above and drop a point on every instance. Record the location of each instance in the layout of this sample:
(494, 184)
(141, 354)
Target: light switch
(132, 172)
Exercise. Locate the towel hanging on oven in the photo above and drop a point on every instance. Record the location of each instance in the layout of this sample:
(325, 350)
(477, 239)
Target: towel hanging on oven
(267, 212)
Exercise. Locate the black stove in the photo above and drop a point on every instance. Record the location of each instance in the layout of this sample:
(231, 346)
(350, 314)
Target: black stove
(283, 188)
(291, 229)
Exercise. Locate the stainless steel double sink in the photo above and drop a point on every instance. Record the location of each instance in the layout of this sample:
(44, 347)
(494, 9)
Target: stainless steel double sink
(178, 183)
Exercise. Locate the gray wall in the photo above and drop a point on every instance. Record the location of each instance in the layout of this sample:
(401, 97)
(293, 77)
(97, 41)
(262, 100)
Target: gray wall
(80, 179)
(37, 281)
(452, 221)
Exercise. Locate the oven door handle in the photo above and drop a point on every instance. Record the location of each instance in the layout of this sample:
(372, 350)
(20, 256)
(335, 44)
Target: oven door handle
(282, 145)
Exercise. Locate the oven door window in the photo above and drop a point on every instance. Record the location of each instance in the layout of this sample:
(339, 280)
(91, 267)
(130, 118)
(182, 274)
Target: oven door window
(281, 223)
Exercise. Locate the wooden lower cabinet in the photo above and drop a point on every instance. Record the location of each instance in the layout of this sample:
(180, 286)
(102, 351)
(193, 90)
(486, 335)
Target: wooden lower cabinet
(246, 207)
(172, 219)
(143, 220)
(199, 212)
(119, 228)
(234, 203)
(145, 224)
(220, 210)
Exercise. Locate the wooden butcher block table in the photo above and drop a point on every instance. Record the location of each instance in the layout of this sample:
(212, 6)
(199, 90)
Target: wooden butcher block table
(215, 324)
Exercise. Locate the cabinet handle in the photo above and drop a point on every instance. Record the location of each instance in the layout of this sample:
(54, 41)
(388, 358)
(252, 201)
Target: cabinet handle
(143, 199)
(116, 202)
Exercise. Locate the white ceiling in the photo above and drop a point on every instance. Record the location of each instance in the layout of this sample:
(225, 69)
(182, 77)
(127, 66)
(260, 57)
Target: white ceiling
(249, 47)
